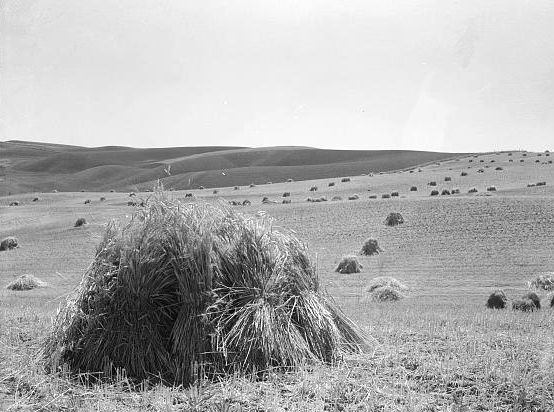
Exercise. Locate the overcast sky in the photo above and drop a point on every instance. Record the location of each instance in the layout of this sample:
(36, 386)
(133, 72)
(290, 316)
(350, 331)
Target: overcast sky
(365, 74)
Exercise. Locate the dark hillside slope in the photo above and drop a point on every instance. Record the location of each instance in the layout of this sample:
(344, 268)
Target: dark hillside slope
(29, 167)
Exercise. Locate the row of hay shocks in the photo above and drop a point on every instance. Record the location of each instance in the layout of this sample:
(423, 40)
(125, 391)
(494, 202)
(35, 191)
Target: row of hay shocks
(193, 290)
(529, 302)
(381, 288)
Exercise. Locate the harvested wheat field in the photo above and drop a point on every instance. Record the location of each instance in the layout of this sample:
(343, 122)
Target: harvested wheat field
(429, 342)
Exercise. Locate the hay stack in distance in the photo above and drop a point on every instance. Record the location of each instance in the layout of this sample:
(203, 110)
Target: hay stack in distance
(387, 294)
(80, 222)
(524, 305)
(353, 197)
(185, 284)
(497, 300)
(9, 243)
(394, 219)
(385, 281)
(533, 297)
(543, 281)
(26, 282)
(349, 264)
(370, 248)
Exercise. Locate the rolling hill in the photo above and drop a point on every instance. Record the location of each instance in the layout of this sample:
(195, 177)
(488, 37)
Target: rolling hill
(32, 166)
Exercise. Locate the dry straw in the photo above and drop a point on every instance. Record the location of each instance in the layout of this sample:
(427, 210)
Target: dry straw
(9, 243)
(543, 281)
(189, 287)
(349, 264)
(80, 222)
(26, 282)
(370, 248)
(497, 300)
(393, 219)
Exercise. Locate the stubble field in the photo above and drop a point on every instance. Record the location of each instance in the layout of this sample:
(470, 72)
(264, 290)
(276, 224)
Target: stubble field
(438, 349)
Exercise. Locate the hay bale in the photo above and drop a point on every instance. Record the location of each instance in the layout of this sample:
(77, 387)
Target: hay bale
(447, 179)
(370, 248)
(286, 201)
(80, 222)
(201, 187)
(413, 189)
(432, 183)
(497, 300)
(434, 193)
(246, 202)
(353, 197)
(541, 183)
(455, 191)
(386, 294)
(236, 188)
(472, 190)
(252, 185)
(445, 192)
(102, 199)
(336, 198)
(521, 160)
(543, 281)
(290, 180)
(14, 203)
(35, 199)
(481, 171)
(132, 194)
(530, 185)
(385, 196)
(499, 168)
(88, 201)
(511, 160)
(385, 281)
(463, 174)
(533, 297)
(491, 189)
(373, 196)
(186, 284)
(9, 243)
(286, 194)
(394, 219)
(313, 189)
(26, 282)
(215, 192)
(349, 264)
(537, 161)
(131, 203)
(188, 195)
(523, 305)
(331, 184)
(395, 194)
(345, 180)
(112, 191)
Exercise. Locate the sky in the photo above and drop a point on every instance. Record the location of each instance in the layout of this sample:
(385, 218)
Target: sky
(440, 75)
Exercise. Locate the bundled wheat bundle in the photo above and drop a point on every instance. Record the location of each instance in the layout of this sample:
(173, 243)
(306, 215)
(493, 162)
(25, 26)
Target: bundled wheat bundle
(189, 285)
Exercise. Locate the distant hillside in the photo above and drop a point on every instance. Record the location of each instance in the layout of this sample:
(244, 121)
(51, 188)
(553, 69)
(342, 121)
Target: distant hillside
(32, 167)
